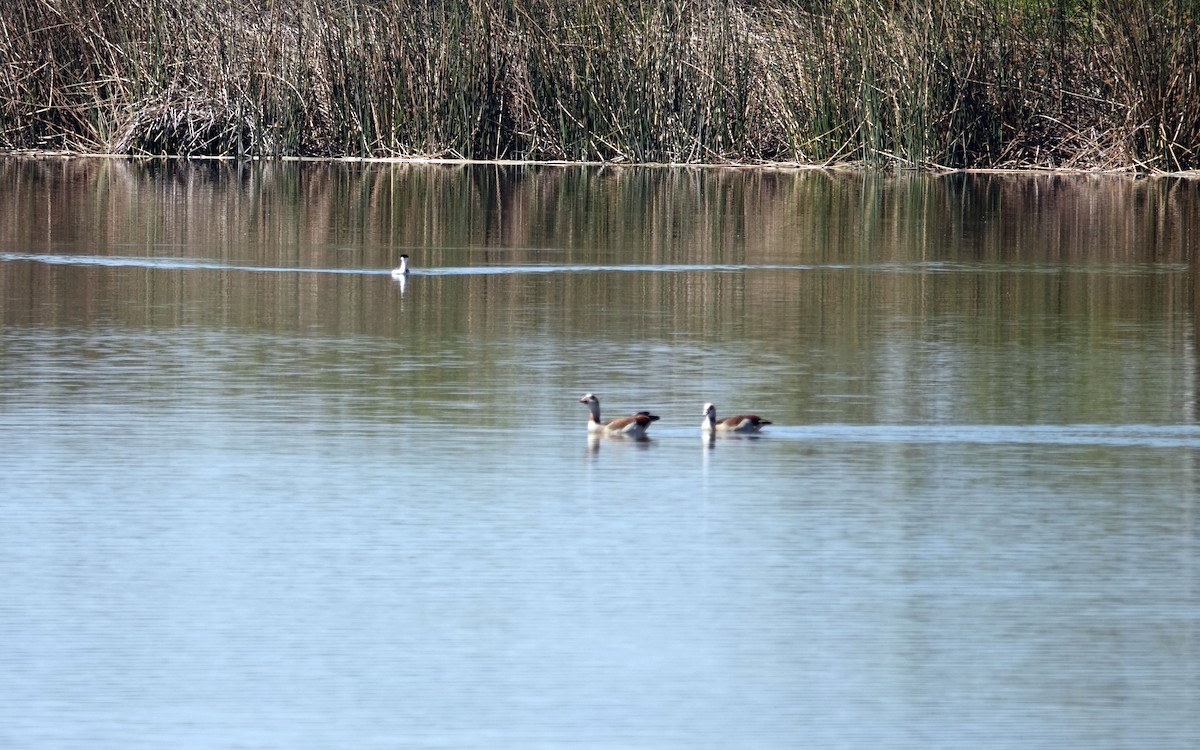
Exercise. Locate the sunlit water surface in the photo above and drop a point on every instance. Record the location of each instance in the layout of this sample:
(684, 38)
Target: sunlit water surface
(257, 493)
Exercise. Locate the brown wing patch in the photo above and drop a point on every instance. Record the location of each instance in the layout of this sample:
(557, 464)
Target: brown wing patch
(744, 420)
(619, 423)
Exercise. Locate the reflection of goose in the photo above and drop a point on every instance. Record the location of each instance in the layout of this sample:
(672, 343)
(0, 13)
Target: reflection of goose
(741, 423)
(402, 270)
(634, 426)
(595, 439)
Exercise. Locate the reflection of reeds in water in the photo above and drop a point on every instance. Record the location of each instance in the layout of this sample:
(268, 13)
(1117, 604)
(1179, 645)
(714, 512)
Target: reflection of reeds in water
(892, 241)
(954, 83)
(880, 267)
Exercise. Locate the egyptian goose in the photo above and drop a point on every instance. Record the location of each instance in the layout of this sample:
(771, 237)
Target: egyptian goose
(634, 426)
(741, 423)
(402, 270)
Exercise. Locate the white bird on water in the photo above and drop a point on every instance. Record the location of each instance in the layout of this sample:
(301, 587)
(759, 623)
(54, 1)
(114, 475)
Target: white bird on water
(402, 270)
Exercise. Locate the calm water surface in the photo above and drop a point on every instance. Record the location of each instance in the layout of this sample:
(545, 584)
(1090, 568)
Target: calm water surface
(256, 493)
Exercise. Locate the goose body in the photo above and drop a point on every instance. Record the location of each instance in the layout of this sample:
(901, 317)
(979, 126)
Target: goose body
(402, 270)
(634, 426)
(743, 423)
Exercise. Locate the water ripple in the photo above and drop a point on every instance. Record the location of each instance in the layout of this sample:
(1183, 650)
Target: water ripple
(174, 263)
(1128, 435)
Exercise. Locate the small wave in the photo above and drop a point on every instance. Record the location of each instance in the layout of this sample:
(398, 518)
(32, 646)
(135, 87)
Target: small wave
(184, 264)
(1130, 435)
(194, 264)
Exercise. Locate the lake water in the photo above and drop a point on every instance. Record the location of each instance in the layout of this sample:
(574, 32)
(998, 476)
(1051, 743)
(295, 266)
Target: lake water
(255, 493)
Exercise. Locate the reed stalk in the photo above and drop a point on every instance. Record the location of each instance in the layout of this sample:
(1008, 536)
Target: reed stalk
(955, 83)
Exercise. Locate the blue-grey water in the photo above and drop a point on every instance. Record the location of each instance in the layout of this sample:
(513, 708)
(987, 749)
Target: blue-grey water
(256, 493)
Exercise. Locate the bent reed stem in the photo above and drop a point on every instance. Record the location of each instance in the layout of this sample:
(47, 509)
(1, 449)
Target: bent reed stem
(950, 83)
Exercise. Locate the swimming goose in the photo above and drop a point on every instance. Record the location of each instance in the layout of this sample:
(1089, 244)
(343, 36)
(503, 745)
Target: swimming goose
(741, 423)
(634, 426)
(402, 271)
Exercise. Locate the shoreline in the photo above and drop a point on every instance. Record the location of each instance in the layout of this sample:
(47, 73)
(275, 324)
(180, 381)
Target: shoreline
(1134, 171)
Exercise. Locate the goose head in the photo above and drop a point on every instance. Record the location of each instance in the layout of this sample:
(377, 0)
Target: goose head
(593, 405)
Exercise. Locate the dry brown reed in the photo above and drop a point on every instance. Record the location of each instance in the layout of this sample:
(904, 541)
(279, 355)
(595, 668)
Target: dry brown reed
(953, 83)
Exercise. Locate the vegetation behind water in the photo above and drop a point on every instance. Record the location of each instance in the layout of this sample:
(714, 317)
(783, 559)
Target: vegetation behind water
(961, 83)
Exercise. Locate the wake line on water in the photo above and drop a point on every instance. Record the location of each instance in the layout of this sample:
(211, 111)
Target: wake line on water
(187, 264)
(1123, 435)
(212, 265)
(180, 264)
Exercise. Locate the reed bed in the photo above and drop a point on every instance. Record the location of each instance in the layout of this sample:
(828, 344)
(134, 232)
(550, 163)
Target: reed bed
(943, 83)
